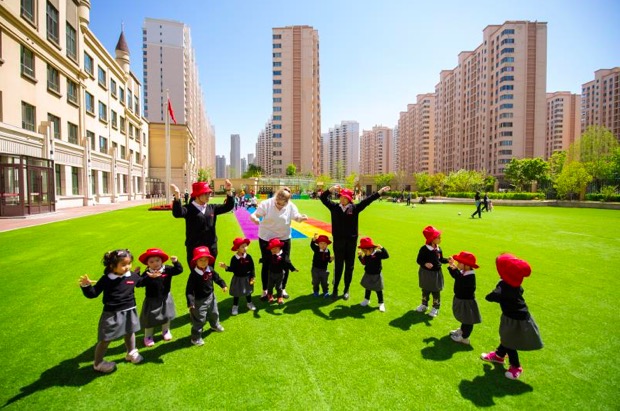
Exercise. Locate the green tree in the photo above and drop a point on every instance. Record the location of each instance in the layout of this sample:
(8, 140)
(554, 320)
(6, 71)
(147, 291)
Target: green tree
(324, 181)
(556, 162)
(489, 183)
(204, 175)
(535, 170)
(351, 180)
(514, 173)
(339, 166)
(464, 181)
(253, 171)
(438, 183)
(382, 180)
(572, 180)
(291, 169)
(595, 149)
(422, 181)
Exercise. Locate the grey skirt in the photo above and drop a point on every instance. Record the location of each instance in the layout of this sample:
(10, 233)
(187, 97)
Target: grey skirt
(430, 280)
(240, 286)
(466, 311)
(115, 324)
(372, 282)
(156, 312)
(521, 335)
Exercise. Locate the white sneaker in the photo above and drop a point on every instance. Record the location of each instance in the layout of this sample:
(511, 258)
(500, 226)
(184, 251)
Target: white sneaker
(235, 310)
(364, 303)
(105, 367)
(284, 293)
(382, 307)
(218, 328)
(421, 308)
(456, 332)
(459, 339)
(133, 356)
(345, 296)
(198, 342)
(433, 312)
(251, 307)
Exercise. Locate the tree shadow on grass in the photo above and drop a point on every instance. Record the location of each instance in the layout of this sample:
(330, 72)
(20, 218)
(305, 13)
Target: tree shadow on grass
(409, 319)
(442, 348)
(350, 311)
(308, 302)
(70, 372)
(482, 390)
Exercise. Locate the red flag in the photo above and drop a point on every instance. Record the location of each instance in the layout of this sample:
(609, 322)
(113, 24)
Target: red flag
(171, 112)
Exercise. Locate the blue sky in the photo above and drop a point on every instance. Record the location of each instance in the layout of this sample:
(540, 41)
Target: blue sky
(375, 56)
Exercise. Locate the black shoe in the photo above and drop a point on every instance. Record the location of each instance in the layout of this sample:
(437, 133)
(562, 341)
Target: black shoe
(335, 295)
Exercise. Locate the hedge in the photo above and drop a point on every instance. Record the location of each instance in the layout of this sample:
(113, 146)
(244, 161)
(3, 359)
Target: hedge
(501, 196)
(602, 197)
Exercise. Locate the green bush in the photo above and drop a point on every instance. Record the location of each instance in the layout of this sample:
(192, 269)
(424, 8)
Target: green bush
(500, 196)
(603, 197)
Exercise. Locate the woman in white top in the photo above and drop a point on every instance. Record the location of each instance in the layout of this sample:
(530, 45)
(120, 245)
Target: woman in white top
(277, 213)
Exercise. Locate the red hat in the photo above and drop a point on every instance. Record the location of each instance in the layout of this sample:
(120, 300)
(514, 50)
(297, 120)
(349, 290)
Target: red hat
(274, 242)
(237, 243)
(346, 193)
(200, 188)
(153, 252)
(366, 242)
(466, 258)
(323, 239)
(430, 233)
(200, 252)
(512, 269)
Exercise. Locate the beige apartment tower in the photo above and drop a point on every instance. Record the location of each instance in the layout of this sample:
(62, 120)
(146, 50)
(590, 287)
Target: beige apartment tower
(416, 136)
(376, 151)
(296, 100)
(600, 101)
(492, 108)
(563, 121)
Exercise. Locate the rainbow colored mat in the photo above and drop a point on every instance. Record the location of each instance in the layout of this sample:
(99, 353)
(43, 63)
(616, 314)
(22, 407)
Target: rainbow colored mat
(307, 229)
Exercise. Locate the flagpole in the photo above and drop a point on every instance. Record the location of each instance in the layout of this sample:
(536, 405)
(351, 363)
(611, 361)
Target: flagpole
(168, 161)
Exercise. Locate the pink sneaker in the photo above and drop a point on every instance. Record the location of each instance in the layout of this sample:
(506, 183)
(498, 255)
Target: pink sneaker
(492, 357)
(166, 335)
(148, 342)
(514, 372)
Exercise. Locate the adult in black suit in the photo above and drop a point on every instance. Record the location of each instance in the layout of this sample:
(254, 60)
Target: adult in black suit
(200, 216)
(345, 232)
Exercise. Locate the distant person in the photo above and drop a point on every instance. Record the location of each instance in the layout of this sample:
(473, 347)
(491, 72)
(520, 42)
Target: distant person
(485, 202)
(478, 205)
(200, 216)
(345, 221)
(370, 255)
(517, 328)
(119, 317)
(242, 267)
(320, 259)
(430, 276)
(464, 305)
(409, 198)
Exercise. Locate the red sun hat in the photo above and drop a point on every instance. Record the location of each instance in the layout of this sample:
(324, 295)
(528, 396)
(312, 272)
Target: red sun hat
(366, 242)
(153, 252)
(466, 258)
(346, 193)
(430, 233)
(200, 252)
(512, 269)
(237, 243)
(200, 188)
(274, 242)
(323, 239)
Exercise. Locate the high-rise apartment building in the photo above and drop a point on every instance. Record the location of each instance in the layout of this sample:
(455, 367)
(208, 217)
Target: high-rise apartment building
(250, 158)
(342, 149)
(563, 121)
(375, 151)
(220, 167)
(416, 136)
(325, 157)
(264, 149)
(71, 125)
(600, 101)
(170, 69)
(296, 99)
(491, 108)
(235, 156)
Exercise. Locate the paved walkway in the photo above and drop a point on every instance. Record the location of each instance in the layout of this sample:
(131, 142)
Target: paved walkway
(15, 223)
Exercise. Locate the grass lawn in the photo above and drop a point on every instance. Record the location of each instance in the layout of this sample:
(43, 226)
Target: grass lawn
(313, 353)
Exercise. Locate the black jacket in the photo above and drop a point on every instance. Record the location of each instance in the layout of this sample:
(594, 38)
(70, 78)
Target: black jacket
(345, 223)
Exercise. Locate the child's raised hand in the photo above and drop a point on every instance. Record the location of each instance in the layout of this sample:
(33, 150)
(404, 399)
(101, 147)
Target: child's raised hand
(174, 259)
(85, 281)
(315, 236)
(225, 289)
(223, 264)
(251, 280)
(379, 247)
(360, 253)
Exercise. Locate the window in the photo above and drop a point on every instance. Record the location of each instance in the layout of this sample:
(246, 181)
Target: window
(75, 181)
(103, 145)
(122, 125)
(123, 153)
(27, 10)
(58, 173)
(72, 92)
(277, 108)
(72, 133)
(505, 134)
(506, 78)
(508, 31)
(277, 64)
(52, 23)
(505, 124)
(129, 99)
(103, 112)
(71, 42)
(121, 95)
(131, 130)
(105, 178)
(53, 79)
(277, 55)
(27, 63)
(505, 152)
(113, 87)
(277, 82)
(277, 99)
(507, 50)
(277, 72)
(507, 60)
(88, 64)
(277, 91)
(277, 36)
(56, 122)
(136, 105)
(29, 118)
(276, 153)
(505, 106)
(277, 118)
(506, 97)
(277, 126)
(91, 138)
(507, 68)
(89, 100)
(114, 118)
(277, 135)
(277, 46)
(506, 87)
(102, 76)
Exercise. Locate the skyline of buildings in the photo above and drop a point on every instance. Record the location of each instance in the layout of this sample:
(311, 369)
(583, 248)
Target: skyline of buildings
(235, 156)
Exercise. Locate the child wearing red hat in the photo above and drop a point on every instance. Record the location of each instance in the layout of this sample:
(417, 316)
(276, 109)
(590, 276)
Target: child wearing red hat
(430, 276)
(464, 305)
(279, 264)
(320, 259)
(370, 255)
(517, 329)
(201, 300)
(158, 306)
(242, 267)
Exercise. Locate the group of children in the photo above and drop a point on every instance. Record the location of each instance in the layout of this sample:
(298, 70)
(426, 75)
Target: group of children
(518, 330)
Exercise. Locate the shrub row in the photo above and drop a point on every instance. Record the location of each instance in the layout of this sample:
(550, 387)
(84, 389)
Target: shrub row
(603, 197)
(501, 196)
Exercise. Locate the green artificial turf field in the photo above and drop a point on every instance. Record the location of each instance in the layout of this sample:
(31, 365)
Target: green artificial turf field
(314, 353)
